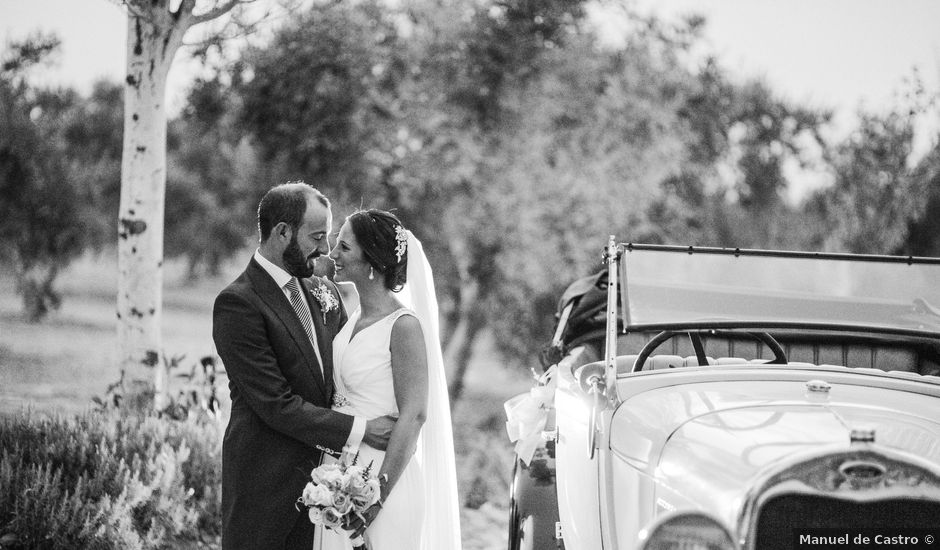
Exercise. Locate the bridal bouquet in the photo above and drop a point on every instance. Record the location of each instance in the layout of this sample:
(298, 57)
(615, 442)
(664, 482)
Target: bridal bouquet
(338, 492)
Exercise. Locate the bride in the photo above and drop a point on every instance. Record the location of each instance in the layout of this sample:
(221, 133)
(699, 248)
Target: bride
(388, 362)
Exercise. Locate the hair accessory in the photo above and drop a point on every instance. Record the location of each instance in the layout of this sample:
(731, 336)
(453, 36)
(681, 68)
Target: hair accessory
(371, 273)
(401, 242)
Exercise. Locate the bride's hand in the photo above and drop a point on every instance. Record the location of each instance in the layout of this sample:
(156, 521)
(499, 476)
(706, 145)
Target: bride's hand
(359, 525)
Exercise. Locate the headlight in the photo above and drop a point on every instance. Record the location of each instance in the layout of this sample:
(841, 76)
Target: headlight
(686, 531)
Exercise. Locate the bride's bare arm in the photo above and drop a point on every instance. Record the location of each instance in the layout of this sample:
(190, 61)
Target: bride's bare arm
(410, 375)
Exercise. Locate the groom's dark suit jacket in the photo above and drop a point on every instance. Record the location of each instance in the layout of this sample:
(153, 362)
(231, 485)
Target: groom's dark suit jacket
(280, 420)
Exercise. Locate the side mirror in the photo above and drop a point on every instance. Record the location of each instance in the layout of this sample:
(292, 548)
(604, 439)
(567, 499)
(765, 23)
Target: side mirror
(587, 374)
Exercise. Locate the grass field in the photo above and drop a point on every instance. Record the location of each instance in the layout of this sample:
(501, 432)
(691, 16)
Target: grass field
(60, 364)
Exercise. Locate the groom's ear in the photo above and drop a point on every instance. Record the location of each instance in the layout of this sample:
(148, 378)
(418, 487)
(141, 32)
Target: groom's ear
(283, 231)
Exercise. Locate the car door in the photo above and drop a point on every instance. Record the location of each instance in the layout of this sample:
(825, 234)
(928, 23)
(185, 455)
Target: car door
(577, 472)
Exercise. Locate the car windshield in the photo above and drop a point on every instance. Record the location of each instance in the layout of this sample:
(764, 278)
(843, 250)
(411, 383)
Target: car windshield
(671, 286)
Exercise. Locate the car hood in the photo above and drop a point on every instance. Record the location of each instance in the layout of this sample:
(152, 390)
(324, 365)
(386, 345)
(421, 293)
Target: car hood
(706, 444)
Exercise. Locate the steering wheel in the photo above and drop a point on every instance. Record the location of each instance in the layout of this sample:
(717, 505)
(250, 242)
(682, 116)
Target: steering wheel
(780, 357)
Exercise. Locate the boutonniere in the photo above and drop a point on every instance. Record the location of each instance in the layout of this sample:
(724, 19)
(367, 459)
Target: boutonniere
(325, 298)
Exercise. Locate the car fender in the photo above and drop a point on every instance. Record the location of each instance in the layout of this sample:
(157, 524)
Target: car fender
(533, 513)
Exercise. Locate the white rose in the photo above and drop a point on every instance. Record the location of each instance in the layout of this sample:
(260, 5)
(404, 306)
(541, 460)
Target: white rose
(331, 518)
(333, 478)
(318, 475)
(356, 483)
(319, 495)
(316, 516)
(306, 497)
(368, 495)
(342, 503)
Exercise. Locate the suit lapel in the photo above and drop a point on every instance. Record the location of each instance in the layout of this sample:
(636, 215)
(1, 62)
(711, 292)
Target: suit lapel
(268, 290)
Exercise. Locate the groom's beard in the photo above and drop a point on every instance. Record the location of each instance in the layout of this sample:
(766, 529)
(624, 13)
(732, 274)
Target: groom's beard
(297, 264)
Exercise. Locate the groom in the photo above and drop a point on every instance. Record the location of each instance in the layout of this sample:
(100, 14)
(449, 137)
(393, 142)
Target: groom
(273, 329)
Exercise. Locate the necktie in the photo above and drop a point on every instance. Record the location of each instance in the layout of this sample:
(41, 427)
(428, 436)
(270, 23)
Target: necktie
(303, 313)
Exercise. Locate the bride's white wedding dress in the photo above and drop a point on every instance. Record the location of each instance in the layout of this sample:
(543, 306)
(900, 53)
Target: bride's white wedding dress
(364, 387)
(420, 512)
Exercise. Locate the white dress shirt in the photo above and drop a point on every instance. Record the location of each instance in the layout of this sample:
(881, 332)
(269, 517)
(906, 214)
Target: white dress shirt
(281, 278)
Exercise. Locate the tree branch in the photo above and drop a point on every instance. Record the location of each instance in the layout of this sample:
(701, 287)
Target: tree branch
(244, 28)
(134, 10)
(185, 9)
(217, 11)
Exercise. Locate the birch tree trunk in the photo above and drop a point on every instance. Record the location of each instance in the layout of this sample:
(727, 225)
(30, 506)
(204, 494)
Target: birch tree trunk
(154, 35)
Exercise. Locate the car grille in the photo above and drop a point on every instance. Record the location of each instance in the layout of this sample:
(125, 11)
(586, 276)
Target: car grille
(783, 518)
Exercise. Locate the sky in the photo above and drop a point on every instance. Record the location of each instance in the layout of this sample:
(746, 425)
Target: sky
(92, 34)
(845, 55)
(838, 53)
(842, 54)
(832, 52)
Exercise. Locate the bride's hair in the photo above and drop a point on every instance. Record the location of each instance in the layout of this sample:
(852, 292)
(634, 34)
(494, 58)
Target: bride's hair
(382, 238)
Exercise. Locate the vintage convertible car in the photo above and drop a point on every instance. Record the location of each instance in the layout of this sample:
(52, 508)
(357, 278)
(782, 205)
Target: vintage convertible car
(701, 398)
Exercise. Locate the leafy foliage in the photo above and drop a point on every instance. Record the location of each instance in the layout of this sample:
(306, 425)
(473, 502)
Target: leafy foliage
(39, 211)
(770, 130)
(212, 190)
(103, 481)
(507, 138)
(875, 196)
(924, 231)
(52, 170)
(196, 399)
(510, 140)
(322, 94)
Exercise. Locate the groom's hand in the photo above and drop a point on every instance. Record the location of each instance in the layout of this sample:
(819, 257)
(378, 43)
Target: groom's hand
(378, 430)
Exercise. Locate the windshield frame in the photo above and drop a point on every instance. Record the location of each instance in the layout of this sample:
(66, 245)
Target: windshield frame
(775, 283)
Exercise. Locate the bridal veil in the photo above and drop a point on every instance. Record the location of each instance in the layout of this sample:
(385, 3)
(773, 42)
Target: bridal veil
(436, 443)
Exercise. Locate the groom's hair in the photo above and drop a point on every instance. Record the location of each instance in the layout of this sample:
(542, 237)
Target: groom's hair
(286, 203)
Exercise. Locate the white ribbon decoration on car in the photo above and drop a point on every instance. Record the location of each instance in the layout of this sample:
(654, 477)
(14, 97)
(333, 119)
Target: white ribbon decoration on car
(527, 413)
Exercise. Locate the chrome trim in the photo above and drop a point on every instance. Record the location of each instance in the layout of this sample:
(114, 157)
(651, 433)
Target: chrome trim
(862, 471)
(784, 253)
(612, 257)
(893, 380)
(597, 400)
(817, 391)
(907, 476)
(643, 537)
(862, 434)
(605, 476)
(818, 386)
(768, 324)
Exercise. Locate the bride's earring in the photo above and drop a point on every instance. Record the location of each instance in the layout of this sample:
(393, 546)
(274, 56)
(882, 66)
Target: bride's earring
(371, 273)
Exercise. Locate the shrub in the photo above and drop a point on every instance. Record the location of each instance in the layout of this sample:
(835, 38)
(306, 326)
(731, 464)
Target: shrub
(196, 398)
(104, 481)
